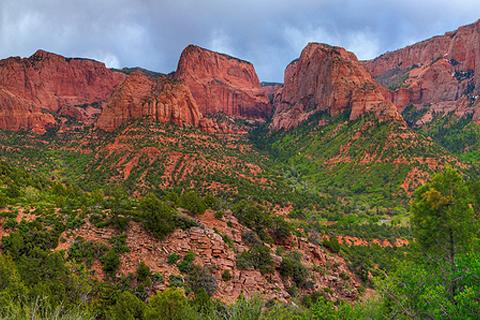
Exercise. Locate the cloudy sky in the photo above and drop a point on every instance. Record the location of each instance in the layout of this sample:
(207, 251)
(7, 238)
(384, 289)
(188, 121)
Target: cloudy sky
(269, 33)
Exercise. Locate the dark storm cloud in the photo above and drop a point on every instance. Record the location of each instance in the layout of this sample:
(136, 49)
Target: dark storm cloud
(270, 33)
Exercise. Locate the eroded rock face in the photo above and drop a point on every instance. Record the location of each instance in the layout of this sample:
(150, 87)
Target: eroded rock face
(442, 72)
(51, 81)
(329, 79)
(207, 242)
(34, 87)
(222, 84)
(17, 113)
(157, 99)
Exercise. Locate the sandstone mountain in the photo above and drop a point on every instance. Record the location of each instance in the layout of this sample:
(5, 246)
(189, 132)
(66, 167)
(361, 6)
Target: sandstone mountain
(220, 83)
(34, 87)
(334, 122)
(36, 91)
(291, 173)
(51, 81)
(332, 80)
(441, 73)
(210, 91)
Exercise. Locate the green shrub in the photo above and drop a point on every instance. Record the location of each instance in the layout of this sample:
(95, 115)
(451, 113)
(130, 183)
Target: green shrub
(175, 281)
(10, 223)
(172, 258)
(119, 221)
(187, 263)
(127, 307)
(267, 226)
(257, 257)
(119, 243)
(250, 238)
(280, 230)
(143, 272)
(159, 218)
(10, 279)
(254, 217)
(171, 198)
(219, 214)
(192, 202)
(184, 222)
(158, 277)
(324, 309)
(86, 251)
(110, 262)
(171, 304)
(226, 275)
(332, 244)
(292, 267)
(12, 191)
(212, 202)
(201, 279)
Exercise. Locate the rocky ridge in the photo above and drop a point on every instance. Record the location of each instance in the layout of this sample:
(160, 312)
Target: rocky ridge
(207, 242)
(440, 74)
(47, 90)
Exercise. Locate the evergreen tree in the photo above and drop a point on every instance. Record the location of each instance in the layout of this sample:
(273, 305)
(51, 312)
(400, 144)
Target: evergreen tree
(443, 221)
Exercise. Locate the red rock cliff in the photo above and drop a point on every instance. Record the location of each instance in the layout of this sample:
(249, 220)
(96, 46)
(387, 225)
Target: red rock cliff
(17, 113)
(51, 81)
(331, 79)
(220, 83)
(158, 99)
(443, 72)
(45, 82)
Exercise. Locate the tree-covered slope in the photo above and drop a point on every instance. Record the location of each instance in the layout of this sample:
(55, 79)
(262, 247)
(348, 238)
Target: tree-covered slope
(379, 162)
(458, 134)
(144, 156)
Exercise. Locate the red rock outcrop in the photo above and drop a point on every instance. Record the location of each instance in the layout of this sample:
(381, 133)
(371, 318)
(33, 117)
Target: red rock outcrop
(51, 81)
(17, 113)
(442, 72)
(207, 242)
(33, 88)
(330, 79)
(85, 114)
(220, 83)
(158, 99)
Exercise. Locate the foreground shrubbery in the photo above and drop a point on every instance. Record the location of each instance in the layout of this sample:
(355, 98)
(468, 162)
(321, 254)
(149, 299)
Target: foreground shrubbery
(437, 279)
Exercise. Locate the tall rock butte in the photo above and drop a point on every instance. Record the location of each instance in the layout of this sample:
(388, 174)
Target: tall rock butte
(441, 73)
(222, 84)
(331, 79)
(156, 99)
(33, 88)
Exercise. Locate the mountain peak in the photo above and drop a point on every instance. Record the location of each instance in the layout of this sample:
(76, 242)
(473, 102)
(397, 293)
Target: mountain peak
(222, 84)
(331, 79)
(191, 48)
(43, 54)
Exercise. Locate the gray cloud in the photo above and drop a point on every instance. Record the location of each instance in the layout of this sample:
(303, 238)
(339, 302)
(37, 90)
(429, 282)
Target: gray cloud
(269, 33)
